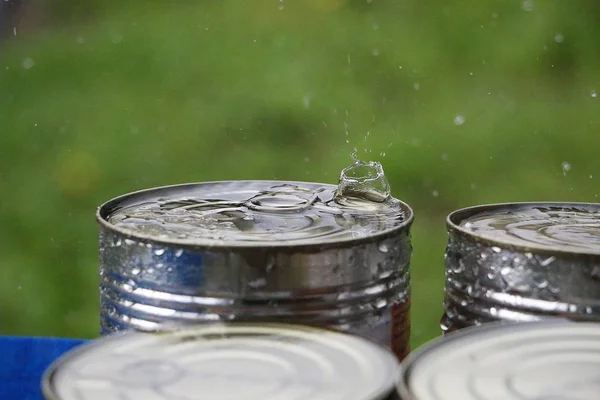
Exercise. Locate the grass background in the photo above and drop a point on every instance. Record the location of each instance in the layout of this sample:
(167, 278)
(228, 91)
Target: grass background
(104, 98)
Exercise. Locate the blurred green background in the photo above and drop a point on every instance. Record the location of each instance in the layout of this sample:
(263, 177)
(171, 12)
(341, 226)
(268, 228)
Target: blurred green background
(463, 102)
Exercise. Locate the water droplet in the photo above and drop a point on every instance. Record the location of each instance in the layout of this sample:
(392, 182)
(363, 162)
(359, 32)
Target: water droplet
(281, 6)
(258, 283)
(159, 252)
(375, 52)
(547, 261)
(383, 248)
(375, 26)
(542, 284)
(505, 271)
(444, 157)
(19, 287)
(28, 63)
(589, 310)
(363, 180)
(306, 101)
(496, 249)
(468, 225)
(459, 120)
(527, 5)
(566, 167)
(593, 93)
(178, 253)
(435, 193)
(135, 271)
(417, 86)
(559, 38)
(591, 176)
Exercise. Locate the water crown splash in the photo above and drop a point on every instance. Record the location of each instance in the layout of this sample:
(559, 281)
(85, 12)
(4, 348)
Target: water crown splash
(363, 180)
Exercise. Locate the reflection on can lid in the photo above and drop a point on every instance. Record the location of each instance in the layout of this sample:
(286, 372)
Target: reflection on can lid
(545, 226)
(537, 360)
(225, 361)
(252, 213)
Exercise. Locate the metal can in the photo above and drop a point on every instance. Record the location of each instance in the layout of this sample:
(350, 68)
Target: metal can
(268, 251)
(225, 361)
(522, 262)
(553, 359)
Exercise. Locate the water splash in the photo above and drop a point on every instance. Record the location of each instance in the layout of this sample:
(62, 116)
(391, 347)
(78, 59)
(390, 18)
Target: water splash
(363, 180)
(265, 211)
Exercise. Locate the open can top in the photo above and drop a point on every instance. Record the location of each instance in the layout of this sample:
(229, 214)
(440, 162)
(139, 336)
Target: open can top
(225, 361)
(253, 214)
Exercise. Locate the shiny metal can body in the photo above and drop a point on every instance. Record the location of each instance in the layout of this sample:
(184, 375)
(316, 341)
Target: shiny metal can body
(552, 359)
(266, 251)
(522, 262)
(225, 361)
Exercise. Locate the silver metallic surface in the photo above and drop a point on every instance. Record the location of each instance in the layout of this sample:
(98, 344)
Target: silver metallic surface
(553, 359)
(496, 280)
(224, 361)
(351, 285)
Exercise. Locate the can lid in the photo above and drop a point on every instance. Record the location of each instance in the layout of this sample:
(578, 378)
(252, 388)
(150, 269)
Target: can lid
(225, 361)
(533, 360)
(252, 213)
(545, 226)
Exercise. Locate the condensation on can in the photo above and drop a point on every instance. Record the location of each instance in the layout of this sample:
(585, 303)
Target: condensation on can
(550, 359)
(225, 361)
(545, 263)
(359, 285)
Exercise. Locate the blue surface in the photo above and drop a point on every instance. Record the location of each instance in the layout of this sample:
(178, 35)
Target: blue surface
(23, 360)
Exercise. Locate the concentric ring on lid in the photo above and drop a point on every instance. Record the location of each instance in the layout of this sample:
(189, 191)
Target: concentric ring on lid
(555, 359)
(251, 214)
(541, 227)
(225, 361)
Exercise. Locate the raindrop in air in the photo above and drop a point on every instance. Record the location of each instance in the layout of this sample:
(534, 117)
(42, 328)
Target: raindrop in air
(459, 120)
(566, 167)
(559, 38)
(28, 63)
(435, 193)
(594, 94)
(528, 5)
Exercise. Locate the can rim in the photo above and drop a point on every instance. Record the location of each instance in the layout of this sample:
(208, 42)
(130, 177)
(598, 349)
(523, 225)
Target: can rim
(49, 389)
(454, 219)
(104, 210)
(406, 369)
